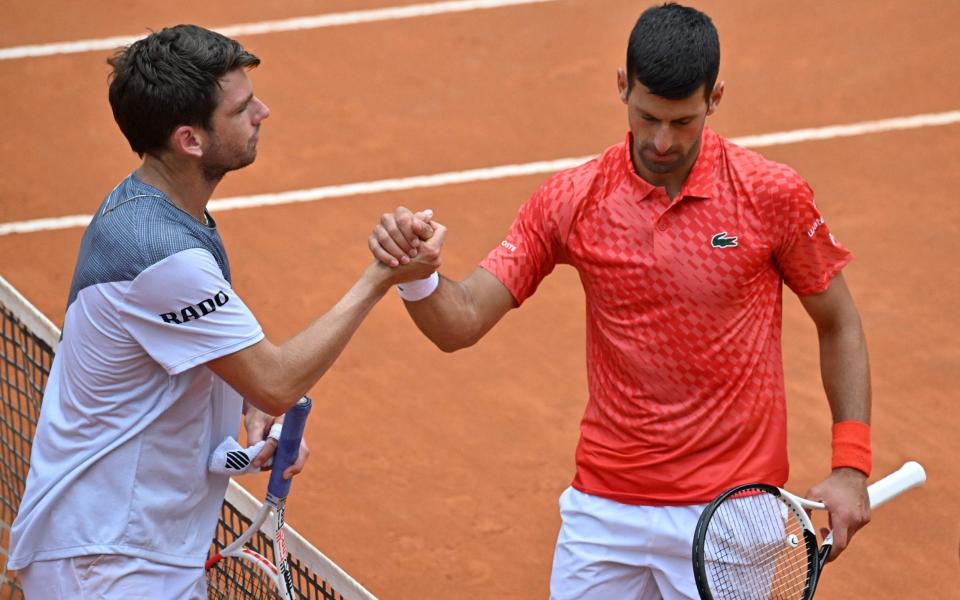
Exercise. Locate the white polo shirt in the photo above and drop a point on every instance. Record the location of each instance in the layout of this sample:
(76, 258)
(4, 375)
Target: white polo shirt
(130, 414)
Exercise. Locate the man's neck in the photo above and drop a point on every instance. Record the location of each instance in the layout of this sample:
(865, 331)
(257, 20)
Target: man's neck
(183, 184)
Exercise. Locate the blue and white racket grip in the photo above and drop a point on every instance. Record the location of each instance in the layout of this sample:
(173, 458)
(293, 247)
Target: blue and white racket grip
(288, 447)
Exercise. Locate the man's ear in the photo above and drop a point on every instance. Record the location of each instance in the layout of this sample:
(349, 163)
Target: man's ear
(715, 96)
(622, 84)
(187, 140)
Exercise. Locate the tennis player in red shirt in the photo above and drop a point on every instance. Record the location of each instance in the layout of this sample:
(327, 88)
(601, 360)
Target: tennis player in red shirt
(683, 242)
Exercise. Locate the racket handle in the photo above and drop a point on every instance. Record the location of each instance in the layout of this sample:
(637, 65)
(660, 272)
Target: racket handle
(909, 476)
(288, 447)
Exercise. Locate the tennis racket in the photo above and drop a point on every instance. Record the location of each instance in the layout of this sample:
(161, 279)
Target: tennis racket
(268, 578)
(756, 541)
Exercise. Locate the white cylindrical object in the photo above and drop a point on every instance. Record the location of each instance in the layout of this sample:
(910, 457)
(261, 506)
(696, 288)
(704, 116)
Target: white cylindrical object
(909, 476)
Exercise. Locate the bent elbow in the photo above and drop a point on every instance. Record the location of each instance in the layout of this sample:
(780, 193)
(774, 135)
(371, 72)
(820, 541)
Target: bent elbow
(275, 401)
(452, 344)
(449, 346)
(265, 403)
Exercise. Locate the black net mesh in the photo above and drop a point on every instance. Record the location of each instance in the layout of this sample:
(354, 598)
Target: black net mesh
(238, 579)
(25, 361)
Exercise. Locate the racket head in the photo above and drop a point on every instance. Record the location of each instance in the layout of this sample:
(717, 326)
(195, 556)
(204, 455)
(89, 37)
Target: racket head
(246, 568)
(245, 575)
(755, 542)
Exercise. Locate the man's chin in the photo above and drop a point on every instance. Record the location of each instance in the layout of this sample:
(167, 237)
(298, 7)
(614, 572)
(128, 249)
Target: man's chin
(245, 161)
(661, 168)
(216, 172)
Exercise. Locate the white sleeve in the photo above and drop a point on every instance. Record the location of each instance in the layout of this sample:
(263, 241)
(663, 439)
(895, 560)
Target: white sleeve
(184, 313)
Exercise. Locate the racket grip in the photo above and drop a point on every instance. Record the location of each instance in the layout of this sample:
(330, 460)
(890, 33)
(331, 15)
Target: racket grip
(909, 476)
(288, 447)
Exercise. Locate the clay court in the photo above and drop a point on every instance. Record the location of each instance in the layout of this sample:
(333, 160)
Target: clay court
(437, 475)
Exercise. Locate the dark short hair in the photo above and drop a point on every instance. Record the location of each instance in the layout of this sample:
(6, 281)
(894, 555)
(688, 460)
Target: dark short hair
(168, 79)
(673, 50)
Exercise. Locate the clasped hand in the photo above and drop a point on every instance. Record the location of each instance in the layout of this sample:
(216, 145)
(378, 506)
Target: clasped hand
(408, 242)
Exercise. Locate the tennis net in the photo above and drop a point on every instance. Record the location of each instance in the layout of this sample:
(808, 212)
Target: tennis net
(27, 344)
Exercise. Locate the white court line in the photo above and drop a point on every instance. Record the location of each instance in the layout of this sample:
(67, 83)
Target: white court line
(501, 172)
(294, 24)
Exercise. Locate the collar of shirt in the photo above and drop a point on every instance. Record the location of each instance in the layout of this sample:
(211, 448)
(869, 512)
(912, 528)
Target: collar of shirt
(701, 182)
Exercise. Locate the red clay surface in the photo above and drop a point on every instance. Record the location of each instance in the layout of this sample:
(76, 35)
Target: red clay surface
(437, 476)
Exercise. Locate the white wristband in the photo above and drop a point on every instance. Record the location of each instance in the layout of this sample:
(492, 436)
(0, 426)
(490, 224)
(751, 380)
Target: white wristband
(418, 289)
(275, 431)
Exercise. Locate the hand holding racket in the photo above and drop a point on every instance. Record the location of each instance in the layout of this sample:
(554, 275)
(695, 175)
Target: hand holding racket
(269, 577)
(844, 493)
(756, 541)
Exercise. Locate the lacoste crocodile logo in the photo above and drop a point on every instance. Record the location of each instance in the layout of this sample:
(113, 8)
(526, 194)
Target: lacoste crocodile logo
(721, 240)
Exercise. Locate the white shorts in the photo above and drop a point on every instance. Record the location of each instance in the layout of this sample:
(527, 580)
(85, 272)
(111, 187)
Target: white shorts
(110, 577)
(611, 550)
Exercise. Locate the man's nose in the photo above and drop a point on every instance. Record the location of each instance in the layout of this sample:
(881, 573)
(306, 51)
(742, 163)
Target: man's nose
(264, 111)
(662, 140)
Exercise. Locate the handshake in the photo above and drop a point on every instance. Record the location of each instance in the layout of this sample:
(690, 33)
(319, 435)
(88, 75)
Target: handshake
(406, 247)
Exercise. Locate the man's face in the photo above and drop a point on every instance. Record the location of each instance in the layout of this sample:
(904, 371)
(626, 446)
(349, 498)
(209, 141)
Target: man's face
(235, 126)
(666, 133)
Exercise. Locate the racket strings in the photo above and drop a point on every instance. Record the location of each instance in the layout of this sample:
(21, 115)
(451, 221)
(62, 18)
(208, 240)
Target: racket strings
(755, 549)
(239, 579)
(234, 578)
(775, 551)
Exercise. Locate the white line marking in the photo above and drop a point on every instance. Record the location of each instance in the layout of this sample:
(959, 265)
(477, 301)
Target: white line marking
(853, 129)
(501, 172)
(294, 24)
(51, 224)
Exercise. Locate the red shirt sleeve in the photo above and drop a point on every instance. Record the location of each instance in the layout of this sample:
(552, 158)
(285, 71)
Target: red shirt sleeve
(806, 253)
(532, 246)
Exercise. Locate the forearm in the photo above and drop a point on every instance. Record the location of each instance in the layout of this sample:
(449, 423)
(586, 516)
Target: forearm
(274, 377)
(845, 370)
(303, 359)
(448, 317)
(458, 314)
(455, 314)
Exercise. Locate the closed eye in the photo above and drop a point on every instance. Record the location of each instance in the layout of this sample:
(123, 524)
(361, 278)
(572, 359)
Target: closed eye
(243, 105)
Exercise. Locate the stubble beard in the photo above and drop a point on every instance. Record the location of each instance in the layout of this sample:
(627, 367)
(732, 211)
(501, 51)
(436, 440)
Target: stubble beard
(683, 161)
(221, 160)
(661, 168)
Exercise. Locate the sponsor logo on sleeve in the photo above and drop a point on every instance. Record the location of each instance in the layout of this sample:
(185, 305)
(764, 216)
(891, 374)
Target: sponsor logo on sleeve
(508, 246)
(196, 311)
(813, 228)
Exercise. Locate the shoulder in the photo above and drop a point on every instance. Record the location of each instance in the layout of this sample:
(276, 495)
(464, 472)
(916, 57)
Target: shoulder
(767, 179)
(133, 230)
(565, 191)
(144, 231)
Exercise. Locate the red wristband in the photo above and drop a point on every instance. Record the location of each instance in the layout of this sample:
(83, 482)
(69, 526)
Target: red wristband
(851, 446)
